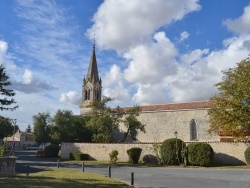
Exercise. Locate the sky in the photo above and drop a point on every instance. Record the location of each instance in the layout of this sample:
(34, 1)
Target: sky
(148, 51)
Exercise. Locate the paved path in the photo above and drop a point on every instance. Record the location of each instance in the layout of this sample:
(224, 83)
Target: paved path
(150, 177)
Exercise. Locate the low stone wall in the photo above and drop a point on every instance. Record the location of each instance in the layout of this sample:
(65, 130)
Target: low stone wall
(7, 166)
(231, 153)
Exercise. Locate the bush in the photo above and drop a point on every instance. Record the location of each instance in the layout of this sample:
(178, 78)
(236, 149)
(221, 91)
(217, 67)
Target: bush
(78, 156)
(247, 155)
(201, 154)
(134, 155)
(51, 151)
(113, 156)
(171, 151)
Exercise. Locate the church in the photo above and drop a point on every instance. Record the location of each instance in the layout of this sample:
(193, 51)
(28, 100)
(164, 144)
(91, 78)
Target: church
(187, 121)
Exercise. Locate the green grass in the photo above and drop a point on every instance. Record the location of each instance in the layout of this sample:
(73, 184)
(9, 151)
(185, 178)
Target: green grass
(60, 178)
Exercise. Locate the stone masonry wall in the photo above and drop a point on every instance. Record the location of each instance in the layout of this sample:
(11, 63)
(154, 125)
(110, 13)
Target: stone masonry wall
(225, 153)
(161, 125)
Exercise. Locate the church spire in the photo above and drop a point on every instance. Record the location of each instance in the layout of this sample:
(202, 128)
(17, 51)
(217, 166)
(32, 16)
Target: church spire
(93, 75)
(92, 85)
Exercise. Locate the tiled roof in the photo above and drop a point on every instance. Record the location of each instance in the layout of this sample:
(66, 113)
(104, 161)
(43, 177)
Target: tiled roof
(10, 139)
(174, 106)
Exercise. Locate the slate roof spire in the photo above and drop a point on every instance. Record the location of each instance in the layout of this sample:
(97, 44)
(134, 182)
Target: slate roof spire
(93, 75)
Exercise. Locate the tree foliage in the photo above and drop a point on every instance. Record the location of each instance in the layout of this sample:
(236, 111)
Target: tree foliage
(41, 122)
(104, 120)
(6, 127)
(230, 108)
(63, 120)
(62, 127)
(7, 94)
(28, 129)
(132, 123)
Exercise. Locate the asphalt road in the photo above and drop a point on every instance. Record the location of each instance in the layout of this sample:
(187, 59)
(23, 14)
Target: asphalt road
(158, 177)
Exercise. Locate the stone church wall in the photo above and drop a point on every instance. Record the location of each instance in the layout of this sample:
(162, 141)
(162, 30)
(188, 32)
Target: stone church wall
(161, 125)
(231, 153)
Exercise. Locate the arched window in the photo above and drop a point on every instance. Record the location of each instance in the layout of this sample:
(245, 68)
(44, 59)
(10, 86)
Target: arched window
(97, 94)
(85, 95)
(193, 130)
(89, 94)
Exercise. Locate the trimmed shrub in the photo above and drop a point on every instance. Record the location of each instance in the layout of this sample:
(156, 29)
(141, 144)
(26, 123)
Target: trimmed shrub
(134, 155)
(171, 151)
(201, 154)
(113, 156)
(78, 156)
(247, 155)
(51, 151)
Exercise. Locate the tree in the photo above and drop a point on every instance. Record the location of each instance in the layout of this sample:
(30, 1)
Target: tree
(7, 94)
(104, 120)
(41, 122)
(28, 129)
(132, 123)
(63, 121)
(6, 128)
(82, 133)
(69, 128)
(230, 108)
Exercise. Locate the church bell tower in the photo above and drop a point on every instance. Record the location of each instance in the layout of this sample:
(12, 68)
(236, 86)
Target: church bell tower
(91, 87)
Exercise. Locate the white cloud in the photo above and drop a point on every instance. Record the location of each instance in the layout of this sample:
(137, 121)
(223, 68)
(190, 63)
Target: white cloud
(113, 82)
(3, 50)
(240, 25)
(72, 97)
(151, 94)
(27, 76)
(194, 56)
(150, 63)
(183, 36)
(125, 24)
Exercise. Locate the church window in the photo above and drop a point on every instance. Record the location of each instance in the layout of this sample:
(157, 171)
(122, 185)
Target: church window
(89, 94)
(193, 130)
(97, 95)
(86, 95)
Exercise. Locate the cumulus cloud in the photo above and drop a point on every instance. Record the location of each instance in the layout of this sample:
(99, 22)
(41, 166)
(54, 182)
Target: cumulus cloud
(240, 25)
(113, 82)
(126, 24)
(72, 97)
(149, 63)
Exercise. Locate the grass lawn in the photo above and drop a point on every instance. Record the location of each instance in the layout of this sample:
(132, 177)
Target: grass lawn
(60, 178)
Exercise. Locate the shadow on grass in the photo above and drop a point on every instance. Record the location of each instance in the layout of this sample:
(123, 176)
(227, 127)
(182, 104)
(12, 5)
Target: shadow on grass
(29, 182)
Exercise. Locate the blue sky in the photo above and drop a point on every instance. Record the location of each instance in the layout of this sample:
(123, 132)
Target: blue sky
(148, 52)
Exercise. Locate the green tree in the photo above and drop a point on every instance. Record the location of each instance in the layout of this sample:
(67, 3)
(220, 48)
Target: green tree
(7, 94)
(6, 128)
(63, 120)
(28, 129)
(69, 128)
(230, 108)
(82, 133)
(42, 123)
(132, 123)
(104, 120)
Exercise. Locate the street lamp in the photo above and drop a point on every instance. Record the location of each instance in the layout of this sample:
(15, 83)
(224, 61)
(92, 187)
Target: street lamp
(176, 134)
